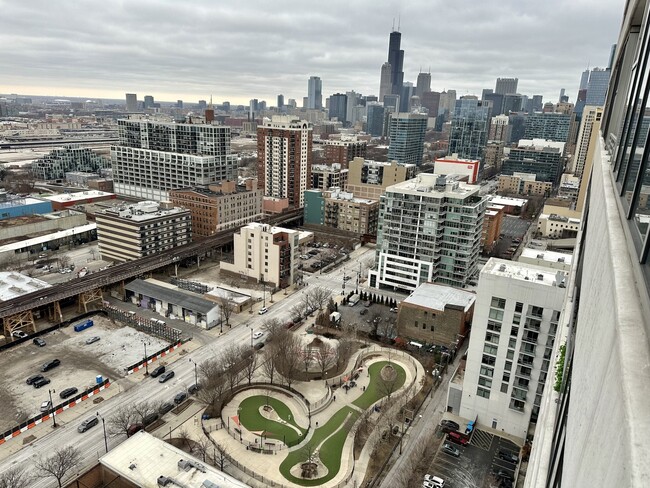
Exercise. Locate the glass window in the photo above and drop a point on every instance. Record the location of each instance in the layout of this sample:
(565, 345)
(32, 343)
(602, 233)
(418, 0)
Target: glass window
(490, 349)
(496, 314)
(504, 387)
(508, 366)
(498, 302)
(519, 307)
(484, 382)
(494, 326)
(482, 392)
(485, 371)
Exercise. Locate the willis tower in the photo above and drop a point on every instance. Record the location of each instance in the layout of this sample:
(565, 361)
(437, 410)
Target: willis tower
(396, 60)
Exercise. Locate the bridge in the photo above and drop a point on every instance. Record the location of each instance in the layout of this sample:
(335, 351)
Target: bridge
(17, 312)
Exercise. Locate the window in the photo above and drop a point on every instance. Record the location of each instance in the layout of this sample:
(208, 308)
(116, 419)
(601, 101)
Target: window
(508, 366)
(516, 319)
(494, 326)
(514, 331)
(484, 382)
(512, 343)
(482, 392)
(519, 307)
(491, 337)
(490, 349)
(498, 303)
(496, 314)
(485, 371)
(506, 377)
(489, 360)
(504, 387)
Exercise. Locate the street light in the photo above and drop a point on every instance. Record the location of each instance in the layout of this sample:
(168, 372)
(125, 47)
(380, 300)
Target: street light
(52, 409)
(251, 337)
(196, 379)
(104, 426)
(146, 360)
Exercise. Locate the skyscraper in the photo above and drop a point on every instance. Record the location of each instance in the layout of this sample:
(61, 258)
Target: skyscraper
(431, 101)
(385, 82)
(469, 128)
(506, 86)
(314, 93)
(148, 101)
(597, 87)
(284, 156)
(338, 107)
(280, 101)
(375, 120)
(131, 102)
(351, 103)
(547, 125)
(406, 132)
(396, 60)
(423, 84)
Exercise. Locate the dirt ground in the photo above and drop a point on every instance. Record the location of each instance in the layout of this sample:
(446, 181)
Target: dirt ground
(118, 348)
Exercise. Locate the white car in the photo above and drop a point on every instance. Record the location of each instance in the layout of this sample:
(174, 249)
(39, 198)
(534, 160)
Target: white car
(257, 335)
(263, 311)
(433, 482)
(46, 405)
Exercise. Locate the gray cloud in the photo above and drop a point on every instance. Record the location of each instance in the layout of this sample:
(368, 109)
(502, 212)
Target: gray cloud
(257, 49)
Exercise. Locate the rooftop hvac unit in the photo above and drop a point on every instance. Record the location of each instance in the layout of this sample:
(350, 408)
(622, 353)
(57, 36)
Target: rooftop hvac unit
(540, 276)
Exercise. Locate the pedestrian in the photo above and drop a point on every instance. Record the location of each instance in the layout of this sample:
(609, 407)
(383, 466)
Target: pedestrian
(334, 397)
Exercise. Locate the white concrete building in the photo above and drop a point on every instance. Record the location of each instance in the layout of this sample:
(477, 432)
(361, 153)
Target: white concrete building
(429, 230)
(453, 165)
(557, 226)
(549, 259)
(511, 349)
(265, 253)
(590, 115)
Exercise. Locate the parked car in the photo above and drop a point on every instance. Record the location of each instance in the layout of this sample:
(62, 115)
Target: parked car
(165, 407)
(448, 426)
(511, 457)
(503, 474)
(433, 481)
(196, 387)
(263, 311)
(167, 375)
(151, 418)
(133, 428)
(87, 424)
(258, 346)
(180, 398)
(451, 450)
(39, 342)
(33, 378)
(258, 334)
(42, 381)
(92, 339)
(458, 438)
(46, 406)
(68, 392)
(157, 372)
(49, 365)
(363, 311)
(18, 334)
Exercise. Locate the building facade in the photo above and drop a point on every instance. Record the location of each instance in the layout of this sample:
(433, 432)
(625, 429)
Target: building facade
(406, 132)
(547, 125)
(315, 93)
(506, 86)
(523, 184)
(429, 230)
(342, 151)
(511, 351)
(72, 157)
(470, 123)
(539, 157)
(129, 232)
(265, 254)
(219, 206)
(325, 176)
(284, 158)
(453, 165)
(491, 227)
(375, 120)
(338, 107)
(369, 179)
(153, 158)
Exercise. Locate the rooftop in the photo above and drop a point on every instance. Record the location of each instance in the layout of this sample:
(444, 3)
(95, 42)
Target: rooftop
(435, 185)
(171, 294)
(338, 194)
(143, 459)
(142, 211)
(507, 201)
(549, 256)
(19, 201)
(267, 228)
(79, 196)
(541, 145)
(539, 275)
(34, 241)
(14, 284)
(437, 297)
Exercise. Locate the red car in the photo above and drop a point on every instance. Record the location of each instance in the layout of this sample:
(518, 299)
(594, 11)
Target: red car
(458, 438)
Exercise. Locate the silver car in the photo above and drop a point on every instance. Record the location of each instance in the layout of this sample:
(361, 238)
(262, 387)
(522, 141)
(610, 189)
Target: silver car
(87, 424)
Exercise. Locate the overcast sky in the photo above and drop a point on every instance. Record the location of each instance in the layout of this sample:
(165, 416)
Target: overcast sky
(237, 50)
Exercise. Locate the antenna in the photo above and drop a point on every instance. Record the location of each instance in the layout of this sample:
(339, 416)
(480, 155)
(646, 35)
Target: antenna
(393, 24)
(399, 22)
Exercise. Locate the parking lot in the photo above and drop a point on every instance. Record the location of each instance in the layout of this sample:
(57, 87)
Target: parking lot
(514, 226)
(478, 461)
(117, 348)
(317, 255)
(365, 316)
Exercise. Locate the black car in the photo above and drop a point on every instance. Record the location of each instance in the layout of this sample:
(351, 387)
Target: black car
(50, 364)
(167, 375)
(33, 378)
(68, 392)
(195, 387)
(150, 419)
(165, 407)
(39, 342)
(511, 457)
(157, 372)
(449, 426)
(180, 398)
(42, 381)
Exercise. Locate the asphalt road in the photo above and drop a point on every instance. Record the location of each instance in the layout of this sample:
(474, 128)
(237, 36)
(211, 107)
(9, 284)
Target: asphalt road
(91, 443)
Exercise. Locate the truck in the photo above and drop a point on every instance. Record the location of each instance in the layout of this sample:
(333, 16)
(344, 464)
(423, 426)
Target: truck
(354, 299)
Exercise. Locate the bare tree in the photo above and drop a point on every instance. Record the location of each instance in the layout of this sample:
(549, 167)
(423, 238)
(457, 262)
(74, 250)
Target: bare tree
(289, 356)
(64, 261)
(250, 364)
(306, 357)
(143, 409)
(232, 365)
(202, 448)
(226, 309)
(220, 456)
(343, 351)
(319, 297)
(58, 464)
(14, 478)
(325, 357)
(185, 438)
(387, 381)
(272, 327)
(123, 418)
(269, 366)
(297, 311)
(387, 328)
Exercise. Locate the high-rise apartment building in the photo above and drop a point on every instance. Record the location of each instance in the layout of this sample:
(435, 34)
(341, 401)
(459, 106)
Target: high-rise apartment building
(536, 156)
(597, 87)
(369, 179)
(280, 102)
(469, 128)
(148, 102)
(132, 231)
(342, 151)
(510, 356)
(375, 120)
(589, 116)
(406, 132)
(431, 101)
(506, 86)
(396, 61)
(69, 158)
(385, 81)
(338, 107)
(429, 230)
(284, 156)
(500, 129)
(326, 176)
(352, 97)
(497, 102)
(547, 125)
(155, 157)
(131, 102)
(423, 84)
(315, 93)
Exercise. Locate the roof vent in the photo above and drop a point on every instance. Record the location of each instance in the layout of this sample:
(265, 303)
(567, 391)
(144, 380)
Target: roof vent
(502, 268)
(540, 276)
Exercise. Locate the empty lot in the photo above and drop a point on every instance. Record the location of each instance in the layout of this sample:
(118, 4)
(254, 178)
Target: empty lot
(118, 348)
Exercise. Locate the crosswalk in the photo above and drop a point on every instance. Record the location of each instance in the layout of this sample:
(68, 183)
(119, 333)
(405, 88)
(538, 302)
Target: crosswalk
(482, 439)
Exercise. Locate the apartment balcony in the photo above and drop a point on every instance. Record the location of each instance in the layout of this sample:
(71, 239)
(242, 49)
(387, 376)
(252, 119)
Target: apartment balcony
(519, 395)
(523, 372)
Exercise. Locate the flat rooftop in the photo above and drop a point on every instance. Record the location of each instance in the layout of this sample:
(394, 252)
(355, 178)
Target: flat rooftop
(142, 211)
(549, 256)
(78, 196)
(143, 458)
(14, 244)
(539, 275)
(14, 284)
(507, 201)
(171, 294)
(435, 185)
(19, 201)
(431, 295)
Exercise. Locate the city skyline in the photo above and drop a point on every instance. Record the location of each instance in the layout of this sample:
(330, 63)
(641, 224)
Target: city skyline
(175, 52)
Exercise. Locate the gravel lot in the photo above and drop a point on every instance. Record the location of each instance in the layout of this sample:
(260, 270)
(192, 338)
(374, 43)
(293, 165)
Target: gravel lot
(80, 363)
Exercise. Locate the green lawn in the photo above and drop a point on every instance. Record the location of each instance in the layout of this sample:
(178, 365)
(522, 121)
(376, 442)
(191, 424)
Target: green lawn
(330, 450)
(252, 419)
(376, 388)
